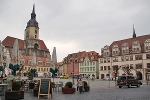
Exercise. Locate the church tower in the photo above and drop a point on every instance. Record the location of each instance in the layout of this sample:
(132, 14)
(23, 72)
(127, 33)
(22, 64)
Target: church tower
(32, 29)
(31, 35)
(32, 43)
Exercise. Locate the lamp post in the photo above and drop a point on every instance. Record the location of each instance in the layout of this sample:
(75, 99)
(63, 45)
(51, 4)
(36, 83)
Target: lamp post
(115, 72)
(4, 63)
(73, 73)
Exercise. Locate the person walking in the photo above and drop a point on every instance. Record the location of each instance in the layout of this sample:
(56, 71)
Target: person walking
(93, 76)
(80, 85)
(77, 84)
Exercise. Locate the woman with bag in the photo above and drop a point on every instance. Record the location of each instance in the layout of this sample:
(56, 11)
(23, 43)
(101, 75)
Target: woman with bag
(80, 85)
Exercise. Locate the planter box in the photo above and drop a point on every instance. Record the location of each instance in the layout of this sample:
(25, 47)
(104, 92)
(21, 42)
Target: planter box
(14, 95)
(31, 85)
(68, 90)
(35, 91)
(87, 89)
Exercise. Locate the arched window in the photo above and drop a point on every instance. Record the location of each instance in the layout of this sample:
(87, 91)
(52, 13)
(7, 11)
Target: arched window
(27, 34)
(147, 45)
(106, 51)
(115, 50)
(125, 48)
(136, 47)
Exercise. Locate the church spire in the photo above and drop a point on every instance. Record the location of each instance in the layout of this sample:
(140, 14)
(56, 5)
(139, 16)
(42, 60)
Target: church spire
(32, 22)
(33, 15)
(134, 35)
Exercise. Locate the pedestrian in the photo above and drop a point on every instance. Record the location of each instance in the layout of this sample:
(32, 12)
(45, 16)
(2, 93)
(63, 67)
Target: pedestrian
(80, 85)
(87, 77)
(77, 83)
(93, 77)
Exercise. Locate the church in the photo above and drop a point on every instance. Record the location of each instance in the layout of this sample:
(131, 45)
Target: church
(30, 44)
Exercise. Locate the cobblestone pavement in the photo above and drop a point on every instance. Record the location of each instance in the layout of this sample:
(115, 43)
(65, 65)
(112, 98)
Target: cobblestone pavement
(101, 90)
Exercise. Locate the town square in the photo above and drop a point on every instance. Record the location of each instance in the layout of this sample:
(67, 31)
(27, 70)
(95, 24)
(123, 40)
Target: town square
(74, 50)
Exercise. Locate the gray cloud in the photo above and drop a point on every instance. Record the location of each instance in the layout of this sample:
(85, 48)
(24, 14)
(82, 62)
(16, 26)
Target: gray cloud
(76, 25)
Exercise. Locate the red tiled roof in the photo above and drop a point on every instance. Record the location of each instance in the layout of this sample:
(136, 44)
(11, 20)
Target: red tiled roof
(83, 54)
(129, 41)
(9, 41)
(42, 45)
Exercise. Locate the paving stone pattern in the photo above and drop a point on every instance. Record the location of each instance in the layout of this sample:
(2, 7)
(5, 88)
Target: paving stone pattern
(100, 90)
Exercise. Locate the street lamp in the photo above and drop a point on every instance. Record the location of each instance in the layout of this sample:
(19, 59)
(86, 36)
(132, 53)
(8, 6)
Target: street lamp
(115, 69)
(4, 63)
(73, 73)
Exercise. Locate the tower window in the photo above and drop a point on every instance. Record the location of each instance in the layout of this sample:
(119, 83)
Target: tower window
(36, 46)
(27, 35)
(35, 33)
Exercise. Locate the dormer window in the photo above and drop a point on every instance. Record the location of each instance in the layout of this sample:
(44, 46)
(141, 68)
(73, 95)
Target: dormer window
(147, 45)
(81, 59)
(125, 48)
(115, 50)
(106, 51)
(92, 58)
(136, 47)
(76, 56)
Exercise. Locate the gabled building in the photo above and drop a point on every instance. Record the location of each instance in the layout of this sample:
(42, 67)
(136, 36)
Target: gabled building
(82, 63)
(30, 44)
(89, 64)
(132, 52)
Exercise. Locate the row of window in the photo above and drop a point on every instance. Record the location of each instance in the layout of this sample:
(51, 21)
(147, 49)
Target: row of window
(125, 48)
(39, 63)
(87, 63)
(137, 66)
(39, 69)
(76, 59)
(124, 58)
(87, 69)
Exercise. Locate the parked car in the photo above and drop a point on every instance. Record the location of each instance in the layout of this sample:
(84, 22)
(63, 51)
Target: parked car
(57, 76)
(128, 80)
(64, 76)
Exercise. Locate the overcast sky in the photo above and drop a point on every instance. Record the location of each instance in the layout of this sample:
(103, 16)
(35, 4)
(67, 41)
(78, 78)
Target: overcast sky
(76, 25)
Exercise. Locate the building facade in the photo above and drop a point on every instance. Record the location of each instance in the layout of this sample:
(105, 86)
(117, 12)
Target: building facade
(132, 53)
(82, 63)
(89, 65)
(30, 44)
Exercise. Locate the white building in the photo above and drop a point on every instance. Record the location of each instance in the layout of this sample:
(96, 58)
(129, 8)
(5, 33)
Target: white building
(132, 52)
